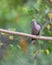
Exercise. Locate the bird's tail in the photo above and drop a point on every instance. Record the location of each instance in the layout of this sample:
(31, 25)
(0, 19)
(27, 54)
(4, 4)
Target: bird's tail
(33, 41)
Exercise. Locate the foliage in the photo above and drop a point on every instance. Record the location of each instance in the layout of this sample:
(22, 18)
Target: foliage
(16, 15)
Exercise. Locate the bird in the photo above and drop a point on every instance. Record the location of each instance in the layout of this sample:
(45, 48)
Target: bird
(35, 30)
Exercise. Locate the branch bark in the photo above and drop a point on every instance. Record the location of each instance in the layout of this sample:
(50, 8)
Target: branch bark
(26, 35)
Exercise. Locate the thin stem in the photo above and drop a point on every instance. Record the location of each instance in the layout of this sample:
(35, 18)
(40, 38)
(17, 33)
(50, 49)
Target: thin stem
(26, 35)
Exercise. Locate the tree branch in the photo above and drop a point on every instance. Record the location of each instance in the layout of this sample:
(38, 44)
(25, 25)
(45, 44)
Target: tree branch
(26, 35)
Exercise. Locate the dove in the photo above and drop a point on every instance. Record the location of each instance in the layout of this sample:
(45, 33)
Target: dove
(35, 30)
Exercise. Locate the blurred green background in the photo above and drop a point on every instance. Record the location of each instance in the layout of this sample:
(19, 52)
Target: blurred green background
(17, 15)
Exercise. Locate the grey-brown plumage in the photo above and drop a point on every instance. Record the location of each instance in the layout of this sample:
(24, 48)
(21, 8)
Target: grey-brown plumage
(35, 30)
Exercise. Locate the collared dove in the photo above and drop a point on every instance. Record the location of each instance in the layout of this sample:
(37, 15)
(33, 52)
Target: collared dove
(35, 30)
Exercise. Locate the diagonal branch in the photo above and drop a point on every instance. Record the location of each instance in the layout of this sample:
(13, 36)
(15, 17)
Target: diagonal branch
(26, 35)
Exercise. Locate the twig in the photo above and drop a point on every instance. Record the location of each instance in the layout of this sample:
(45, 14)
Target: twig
(26, 35)
(44, 27)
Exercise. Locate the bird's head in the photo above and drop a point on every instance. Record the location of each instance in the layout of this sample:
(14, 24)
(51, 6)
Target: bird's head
(34, 22)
